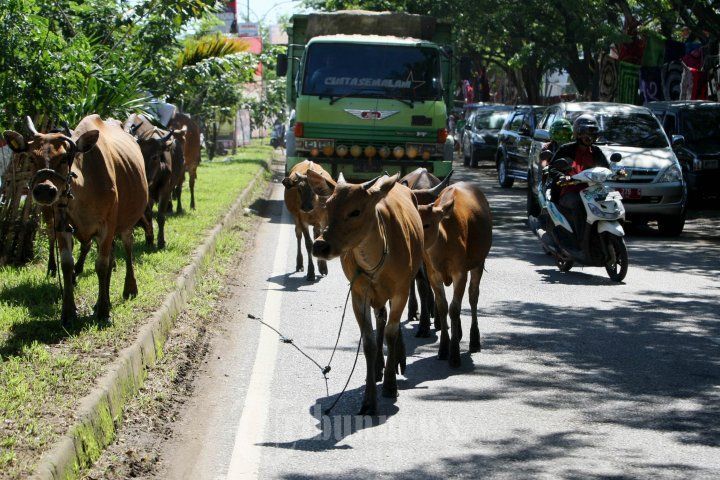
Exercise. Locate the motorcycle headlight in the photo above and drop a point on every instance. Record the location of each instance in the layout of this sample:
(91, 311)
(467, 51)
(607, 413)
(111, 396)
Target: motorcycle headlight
(670, 174)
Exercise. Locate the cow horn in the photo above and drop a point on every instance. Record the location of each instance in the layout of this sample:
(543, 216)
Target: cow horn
(167, 137)
(66, 127)
(435, 191)
(31, 126)
(368, 185)
(341, 178)
(134, 127)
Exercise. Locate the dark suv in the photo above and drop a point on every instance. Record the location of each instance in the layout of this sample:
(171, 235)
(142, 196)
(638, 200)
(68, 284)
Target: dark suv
(480, 139)
(514, 141)
(694, 129)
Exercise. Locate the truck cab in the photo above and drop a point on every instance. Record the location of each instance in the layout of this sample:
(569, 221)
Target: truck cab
(365, 104)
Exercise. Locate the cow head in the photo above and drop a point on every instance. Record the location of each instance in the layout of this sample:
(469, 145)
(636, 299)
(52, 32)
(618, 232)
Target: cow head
(428, 195)
(350, 211)
(154, 144)
(51, 156)
(432, 214)
(308, 199)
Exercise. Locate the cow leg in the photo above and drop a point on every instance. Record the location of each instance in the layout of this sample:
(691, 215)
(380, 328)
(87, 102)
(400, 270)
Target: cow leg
(322, 264)
(80, 264)
(308, 245)
(299, 259)
(178, 194)
(102, 268)
(147, 225)
(396, 347)
(362, 314)
(474, 294)
(459, 284)
(69, 311)
(162, 208)
(380, 321)
(441, 316)
(130, 289)
(48, 218)
(426, 295)
(412, 303)
(193, 176)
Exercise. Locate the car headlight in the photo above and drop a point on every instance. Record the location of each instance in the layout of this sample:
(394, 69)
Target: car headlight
(671, 174)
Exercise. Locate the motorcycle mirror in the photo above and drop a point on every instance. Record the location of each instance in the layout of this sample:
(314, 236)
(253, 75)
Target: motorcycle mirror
(615, 157)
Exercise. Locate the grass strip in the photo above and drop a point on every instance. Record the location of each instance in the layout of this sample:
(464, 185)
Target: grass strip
(46, 369)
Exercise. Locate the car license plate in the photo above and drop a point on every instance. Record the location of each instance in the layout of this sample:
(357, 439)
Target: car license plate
(710, 164)
(629, 193)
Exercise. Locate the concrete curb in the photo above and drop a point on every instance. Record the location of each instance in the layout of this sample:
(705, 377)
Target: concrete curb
(100, 412)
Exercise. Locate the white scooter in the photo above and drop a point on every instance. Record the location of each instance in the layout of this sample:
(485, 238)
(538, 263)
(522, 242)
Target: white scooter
(602, 244)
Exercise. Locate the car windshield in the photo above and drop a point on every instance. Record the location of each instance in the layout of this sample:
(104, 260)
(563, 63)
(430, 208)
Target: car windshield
(700, 124)
(628, 129)
(490, 120)
(367, 70)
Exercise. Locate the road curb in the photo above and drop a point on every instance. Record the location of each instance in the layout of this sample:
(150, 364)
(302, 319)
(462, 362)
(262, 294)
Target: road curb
(100, 412)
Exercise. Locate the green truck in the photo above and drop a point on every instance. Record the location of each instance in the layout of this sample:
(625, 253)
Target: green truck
(369, 92)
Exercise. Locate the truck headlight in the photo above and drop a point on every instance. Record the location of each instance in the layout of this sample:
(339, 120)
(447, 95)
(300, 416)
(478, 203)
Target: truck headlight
(341, 150)
(384, 151)
(670, 174)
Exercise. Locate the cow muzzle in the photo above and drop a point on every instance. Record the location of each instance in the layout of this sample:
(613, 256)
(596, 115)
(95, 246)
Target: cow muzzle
(321, 249)
(45, 193)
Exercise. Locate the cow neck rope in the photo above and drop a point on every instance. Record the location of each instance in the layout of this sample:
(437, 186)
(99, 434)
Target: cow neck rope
(325, 370)
(61, 224)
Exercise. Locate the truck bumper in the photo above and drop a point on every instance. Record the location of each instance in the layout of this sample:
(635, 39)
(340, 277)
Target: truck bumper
(361, 169)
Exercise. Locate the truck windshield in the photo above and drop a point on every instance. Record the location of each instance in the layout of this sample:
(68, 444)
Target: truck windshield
(369, 70)
(701, 124)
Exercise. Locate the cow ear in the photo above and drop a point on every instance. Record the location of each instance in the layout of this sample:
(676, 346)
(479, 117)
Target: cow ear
(15, 141)
(320, 185)
(446, 204)
(287, 182)
(87, 141)
(383, 185)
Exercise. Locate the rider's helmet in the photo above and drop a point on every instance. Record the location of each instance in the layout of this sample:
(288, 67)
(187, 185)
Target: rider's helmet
(586, 125)
(561, 131)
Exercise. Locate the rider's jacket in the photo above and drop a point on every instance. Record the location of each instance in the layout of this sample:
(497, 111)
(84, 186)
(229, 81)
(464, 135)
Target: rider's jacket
(582, 158)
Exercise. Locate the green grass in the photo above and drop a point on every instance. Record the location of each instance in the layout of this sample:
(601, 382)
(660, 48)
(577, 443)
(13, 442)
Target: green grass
(44, 368)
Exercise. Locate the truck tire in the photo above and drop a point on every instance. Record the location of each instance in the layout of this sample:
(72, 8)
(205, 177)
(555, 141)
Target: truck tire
(505, 180)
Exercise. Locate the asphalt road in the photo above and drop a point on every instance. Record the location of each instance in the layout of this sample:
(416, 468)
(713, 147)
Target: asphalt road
(578, 377)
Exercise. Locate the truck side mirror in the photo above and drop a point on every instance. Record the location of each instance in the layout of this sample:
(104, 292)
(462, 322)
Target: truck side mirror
(281, 66)
(465, 68)
(678, 141)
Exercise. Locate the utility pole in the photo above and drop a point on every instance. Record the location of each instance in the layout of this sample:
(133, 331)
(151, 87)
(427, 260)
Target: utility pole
(247, 19)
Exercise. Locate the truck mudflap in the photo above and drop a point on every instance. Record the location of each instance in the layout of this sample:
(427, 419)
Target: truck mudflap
(361, 169)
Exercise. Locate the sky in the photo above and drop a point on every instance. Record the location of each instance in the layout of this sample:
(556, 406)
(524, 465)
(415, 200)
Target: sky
(267, 10)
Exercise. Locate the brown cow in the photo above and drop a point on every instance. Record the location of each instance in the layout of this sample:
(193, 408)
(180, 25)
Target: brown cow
(304, 205)
(192, 155)
(426, 187)
(458, 235)
(96, 185)
(163, 153)
(376, 230)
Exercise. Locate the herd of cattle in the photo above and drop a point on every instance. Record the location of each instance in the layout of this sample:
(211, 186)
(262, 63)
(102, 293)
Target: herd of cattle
(390, 233)
(100, 181)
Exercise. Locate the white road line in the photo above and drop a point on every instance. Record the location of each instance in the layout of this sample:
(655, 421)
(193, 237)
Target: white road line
(245, 459)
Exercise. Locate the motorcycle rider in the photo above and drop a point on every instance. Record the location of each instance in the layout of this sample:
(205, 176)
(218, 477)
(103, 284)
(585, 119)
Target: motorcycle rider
(561, 132)
(583, 154)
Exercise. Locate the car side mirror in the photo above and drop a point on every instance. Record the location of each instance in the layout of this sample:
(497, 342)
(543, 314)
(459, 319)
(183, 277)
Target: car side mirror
(281, 66)
(524, 130)
(542, 135)
(678, 141)
(615, 157)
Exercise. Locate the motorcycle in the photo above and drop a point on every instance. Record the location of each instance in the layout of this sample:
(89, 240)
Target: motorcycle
(602, 243)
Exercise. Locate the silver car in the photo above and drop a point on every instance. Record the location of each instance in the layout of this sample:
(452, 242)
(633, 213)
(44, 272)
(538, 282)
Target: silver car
(654, 188)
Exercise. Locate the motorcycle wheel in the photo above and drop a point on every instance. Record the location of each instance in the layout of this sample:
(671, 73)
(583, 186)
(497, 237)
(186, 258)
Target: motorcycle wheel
(564, 265)
(617, 270)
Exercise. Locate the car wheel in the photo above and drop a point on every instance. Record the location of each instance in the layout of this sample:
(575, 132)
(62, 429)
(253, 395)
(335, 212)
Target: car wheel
(466, 157)
(505, 180)
(474, 158)
(533, 206)
(671, 226)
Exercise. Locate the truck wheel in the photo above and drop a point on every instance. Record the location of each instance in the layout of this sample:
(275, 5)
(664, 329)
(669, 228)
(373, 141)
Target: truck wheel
(671, 226)
(618, 269)
(504, 179)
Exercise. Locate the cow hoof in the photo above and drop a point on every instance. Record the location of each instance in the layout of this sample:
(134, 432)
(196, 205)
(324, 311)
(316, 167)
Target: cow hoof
(443, 351)
(161, 244)
(389, 391)
(401, 365)
(67, 318)
(475, 345)
(310, 277)
(103, 313)
(323, 268)
(368, 409)
(379, 375)
(299, 268)
(454, 354)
